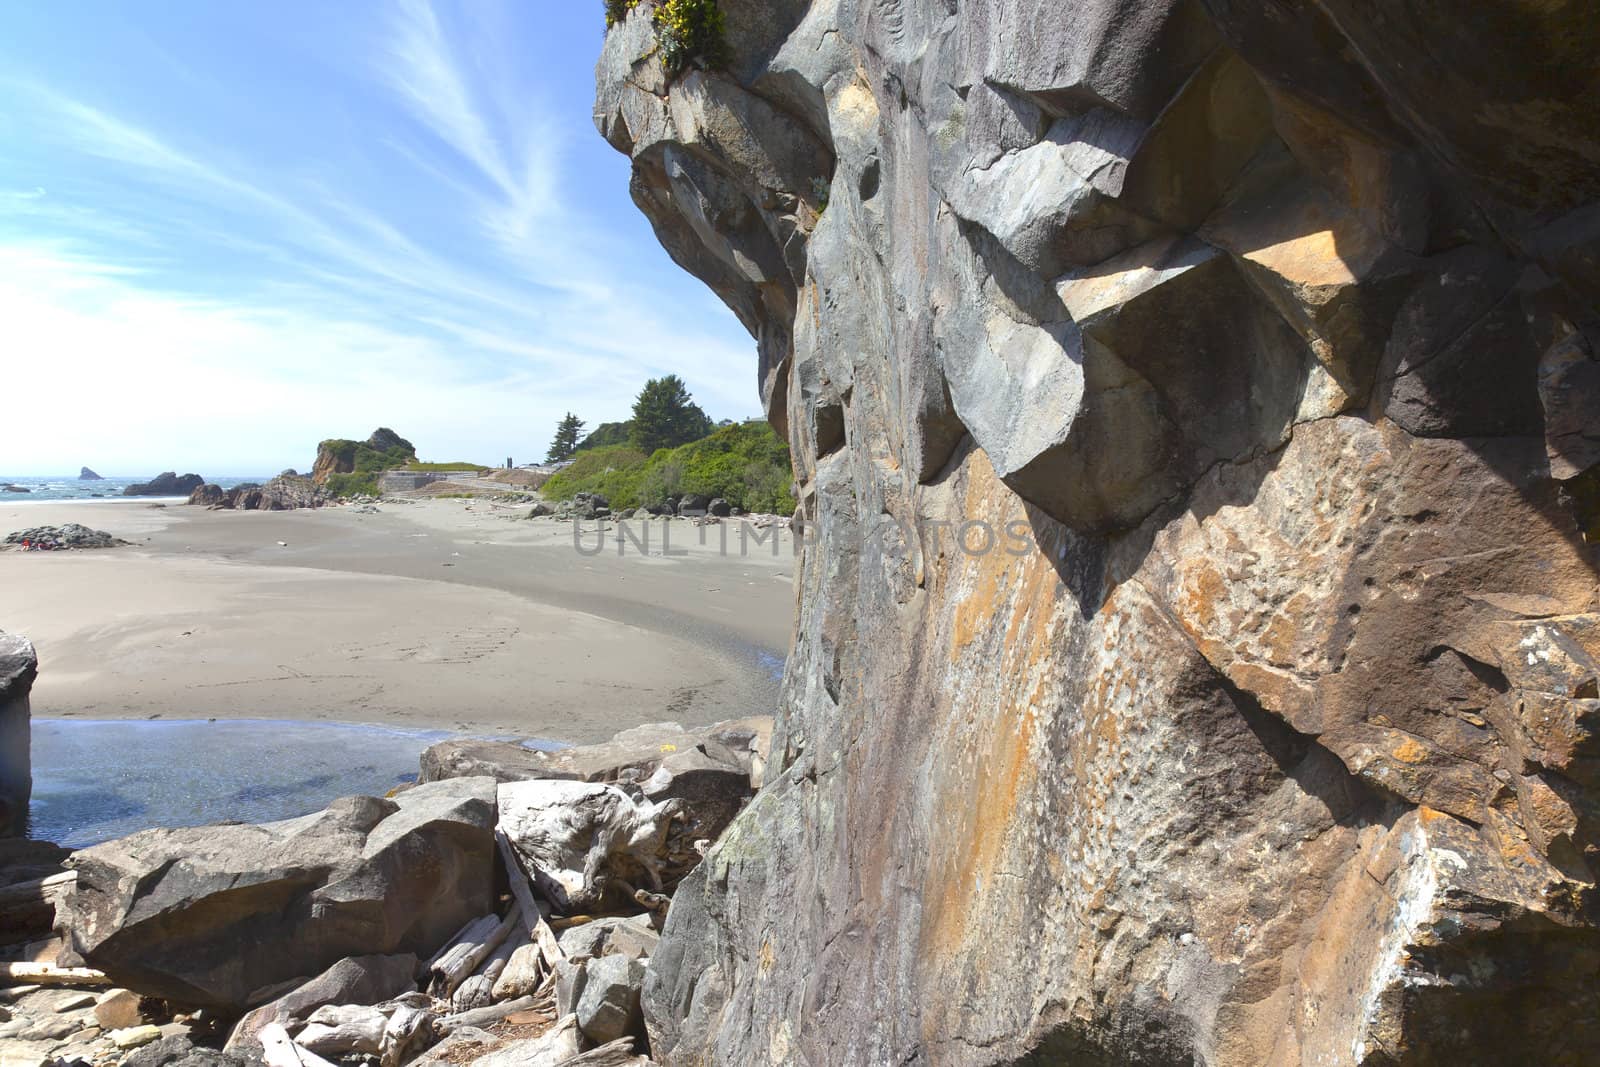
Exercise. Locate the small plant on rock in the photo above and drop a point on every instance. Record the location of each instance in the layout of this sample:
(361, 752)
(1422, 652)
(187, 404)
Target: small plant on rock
(617, 10)
(690, 32)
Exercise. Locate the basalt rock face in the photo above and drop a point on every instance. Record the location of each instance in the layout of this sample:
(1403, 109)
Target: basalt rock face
(1251, 716)
(19, 666)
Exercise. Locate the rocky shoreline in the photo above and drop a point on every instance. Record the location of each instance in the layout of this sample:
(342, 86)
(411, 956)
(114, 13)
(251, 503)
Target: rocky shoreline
(502, 910)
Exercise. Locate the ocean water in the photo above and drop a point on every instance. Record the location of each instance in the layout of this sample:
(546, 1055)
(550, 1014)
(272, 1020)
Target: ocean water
(94, 780)
(68, 487)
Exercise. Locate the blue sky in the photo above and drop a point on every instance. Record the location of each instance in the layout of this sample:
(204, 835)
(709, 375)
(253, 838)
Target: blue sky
(228, 230)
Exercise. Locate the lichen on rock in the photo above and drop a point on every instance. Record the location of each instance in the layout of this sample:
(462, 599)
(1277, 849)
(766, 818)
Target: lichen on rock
(1268, 334)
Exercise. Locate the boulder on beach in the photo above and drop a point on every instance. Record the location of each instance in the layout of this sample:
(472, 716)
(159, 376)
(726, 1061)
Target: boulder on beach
(70, 535)
(87, 475)
(219, 915)
(167, 483)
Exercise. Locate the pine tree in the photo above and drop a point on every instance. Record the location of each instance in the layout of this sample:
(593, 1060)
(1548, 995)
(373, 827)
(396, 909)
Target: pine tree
(566, 439)
(665, 416)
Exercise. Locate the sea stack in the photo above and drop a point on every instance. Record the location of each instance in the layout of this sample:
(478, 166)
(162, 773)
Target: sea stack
(18, 667)
(1194, 408)
(87, 475)
(167, 483)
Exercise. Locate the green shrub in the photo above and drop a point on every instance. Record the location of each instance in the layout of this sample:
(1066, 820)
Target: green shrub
(745, 464)
(362, 484)
(691, 31)
(617, 10)
(614, 472)
(604, 435)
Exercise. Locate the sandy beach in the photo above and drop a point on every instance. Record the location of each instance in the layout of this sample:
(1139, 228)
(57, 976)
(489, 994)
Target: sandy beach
(444, 614)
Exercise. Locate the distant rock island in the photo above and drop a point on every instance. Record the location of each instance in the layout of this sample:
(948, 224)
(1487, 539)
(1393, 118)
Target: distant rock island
(87, 475)
(167, 483)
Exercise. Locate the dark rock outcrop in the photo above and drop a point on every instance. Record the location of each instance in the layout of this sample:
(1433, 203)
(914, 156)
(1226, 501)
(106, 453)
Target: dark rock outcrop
(87, 475)
(1195, 412)
(383, 449)
(19, 666)
(218, 915)
(167, 483)
(286, 492)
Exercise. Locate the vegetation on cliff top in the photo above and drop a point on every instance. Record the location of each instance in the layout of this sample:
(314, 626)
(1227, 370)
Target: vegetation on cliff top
(604, 435)
(688, 32)
(746, 464)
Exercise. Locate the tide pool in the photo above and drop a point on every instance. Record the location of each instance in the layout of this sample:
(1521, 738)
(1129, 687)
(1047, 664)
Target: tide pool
(97, 779)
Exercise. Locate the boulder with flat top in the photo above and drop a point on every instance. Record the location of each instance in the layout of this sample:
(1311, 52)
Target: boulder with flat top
(224, 915)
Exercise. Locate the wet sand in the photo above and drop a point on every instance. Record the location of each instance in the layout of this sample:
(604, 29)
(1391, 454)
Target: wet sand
(440, 614)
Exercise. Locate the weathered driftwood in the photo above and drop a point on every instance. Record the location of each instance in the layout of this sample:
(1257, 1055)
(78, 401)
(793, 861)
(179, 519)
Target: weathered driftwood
(534, 910)
(49, 974)
(454, 940)
(619, 1053)
(654, 902)
(29, 908)
(483, 1017)
(36, 888)
(451, 969)
(475, 992)
(279, 1050)
(578, 835)
(523, 973)
(409, 1030)
(338, 1029)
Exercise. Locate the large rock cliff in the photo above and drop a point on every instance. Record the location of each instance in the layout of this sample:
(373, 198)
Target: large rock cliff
(1196, 413)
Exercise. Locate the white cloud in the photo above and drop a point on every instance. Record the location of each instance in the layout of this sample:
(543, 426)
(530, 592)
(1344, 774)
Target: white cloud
(175, 300)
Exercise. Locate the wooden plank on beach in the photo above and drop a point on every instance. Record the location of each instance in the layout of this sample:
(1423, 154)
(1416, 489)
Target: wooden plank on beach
(50, 974)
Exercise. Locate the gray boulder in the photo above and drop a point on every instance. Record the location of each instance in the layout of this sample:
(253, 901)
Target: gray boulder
(219, 915)
(69, 535)
(633, 936)
(693, 505)
(608, 1006)
(353, 980)
(719, 507)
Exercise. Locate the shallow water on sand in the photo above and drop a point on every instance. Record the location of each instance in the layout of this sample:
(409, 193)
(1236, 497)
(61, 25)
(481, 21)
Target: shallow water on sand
(94, 780)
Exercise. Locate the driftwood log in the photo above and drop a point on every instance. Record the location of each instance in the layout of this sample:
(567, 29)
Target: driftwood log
(279, 1050)
(483, 1017)
(462, 959)
(49, 974)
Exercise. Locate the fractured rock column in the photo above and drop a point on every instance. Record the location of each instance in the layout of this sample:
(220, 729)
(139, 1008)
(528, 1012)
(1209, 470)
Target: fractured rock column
(18, 666)
(1195, 411)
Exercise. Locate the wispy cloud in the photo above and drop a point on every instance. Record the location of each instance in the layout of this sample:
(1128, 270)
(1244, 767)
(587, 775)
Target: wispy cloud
(439, 268)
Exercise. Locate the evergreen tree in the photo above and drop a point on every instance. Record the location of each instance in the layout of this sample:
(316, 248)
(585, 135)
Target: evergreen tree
(665, 416)
(566, 439)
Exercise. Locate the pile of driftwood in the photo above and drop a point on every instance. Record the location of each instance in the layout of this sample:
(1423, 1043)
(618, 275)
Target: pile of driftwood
(573, 855)
(501, 967)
